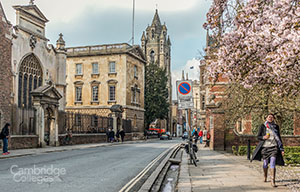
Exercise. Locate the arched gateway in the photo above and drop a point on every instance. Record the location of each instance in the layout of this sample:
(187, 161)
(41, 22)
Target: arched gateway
(45, 102)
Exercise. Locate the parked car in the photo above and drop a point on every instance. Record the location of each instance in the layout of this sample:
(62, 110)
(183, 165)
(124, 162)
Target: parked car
(165, 136)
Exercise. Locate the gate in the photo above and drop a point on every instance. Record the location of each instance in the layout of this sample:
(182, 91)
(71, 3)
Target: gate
(83, 123)
(126, 124)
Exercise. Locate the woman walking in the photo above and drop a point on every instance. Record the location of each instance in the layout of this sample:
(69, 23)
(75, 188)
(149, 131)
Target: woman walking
(269, 148)
(4, 135)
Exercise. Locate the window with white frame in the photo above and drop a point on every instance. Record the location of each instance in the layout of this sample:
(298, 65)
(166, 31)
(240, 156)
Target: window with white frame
(135, 70)
(95, 68)
(135, 95)
(112, 67)
(78, 93)
(95, 92)
(78, 69)
(112, 92)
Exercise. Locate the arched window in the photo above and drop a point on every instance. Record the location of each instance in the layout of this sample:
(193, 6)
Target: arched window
(30, 77)
(152, 53)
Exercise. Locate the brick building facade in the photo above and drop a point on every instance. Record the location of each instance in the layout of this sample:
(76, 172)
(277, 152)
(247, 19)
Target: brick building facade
(5, 69)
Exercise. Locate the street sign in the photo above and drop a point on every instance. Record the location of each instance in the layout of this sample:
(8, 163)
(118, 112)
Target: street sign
(184, 88)
(184, 94)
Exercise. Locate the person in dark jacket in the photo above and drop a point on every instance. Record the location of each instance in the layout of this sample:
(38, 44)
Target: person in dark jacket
(122, 134)
(118, 135)
(111, 135)
(269, 148)
(4, 136)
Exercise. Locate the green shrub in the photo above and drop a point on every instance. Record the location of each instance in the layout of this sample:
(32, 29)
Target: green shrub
(292, 158)
(242, 150)
(234, 151)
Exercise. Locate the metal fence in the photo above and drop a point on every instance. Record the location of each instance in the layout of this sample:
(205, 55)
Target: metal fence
(83, 123)
(126, 125)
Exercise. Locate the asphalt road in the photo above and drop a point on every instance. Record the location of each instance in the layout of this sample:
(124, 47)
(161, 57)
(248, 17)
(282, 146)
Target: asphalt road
(101, 169)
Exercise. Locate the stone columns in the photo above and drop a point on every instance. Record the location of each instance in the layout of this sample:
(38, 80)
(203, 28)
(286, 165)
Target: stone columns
(40, 124)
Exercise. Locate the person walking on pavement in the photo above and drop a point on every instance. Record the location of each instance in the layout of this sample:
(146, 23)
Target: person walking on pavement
(201, 135)
(207, 139)
(4, 135)
(122, 134)
(118, 135)
(195, 134)
(204, 135)
(111, 135)
(269, 148)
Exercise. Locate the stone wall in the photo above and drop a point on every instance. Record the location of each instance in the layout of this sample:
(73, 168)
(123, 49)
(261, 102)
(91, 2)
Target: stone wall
(5, 70)
(23, 142)
(232, 138)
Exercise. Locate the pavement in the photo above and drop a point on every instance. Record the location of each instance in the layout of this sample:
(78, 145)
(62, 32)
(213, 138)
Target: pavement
(37, 151)
(224, 172)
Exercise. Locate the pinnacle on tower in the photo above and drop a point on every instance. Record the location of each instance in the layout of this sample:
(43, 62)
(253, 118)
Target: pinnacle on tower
(156, 20)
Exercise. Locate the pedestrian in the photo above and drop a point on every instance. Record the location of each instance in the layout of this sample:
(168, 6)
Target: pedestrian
(204, 135)
(196, 135)
(122, 134)
(207, 139)
(111, 136)
(118, 135)
(201, 136)
(4, 135)
(269, 148)
(107, 134)
(145, 134)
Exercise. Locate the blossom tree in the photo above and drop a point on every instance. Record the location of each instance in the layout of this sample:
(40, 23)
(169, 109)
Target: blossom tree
(258, 47)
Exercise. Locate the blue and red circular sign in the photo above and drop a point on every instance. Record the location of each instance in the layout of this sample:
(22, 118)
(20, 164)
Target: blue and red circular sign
(184, 88)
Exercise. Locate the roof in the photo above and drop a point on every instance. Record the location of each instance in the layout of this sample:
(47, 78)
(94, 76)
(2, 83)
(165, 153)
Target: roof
(107, 49)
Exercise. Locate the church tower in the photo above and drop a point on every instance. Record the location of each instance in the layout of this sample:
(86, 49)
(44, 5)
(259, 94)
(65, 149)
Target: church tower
(156, 46)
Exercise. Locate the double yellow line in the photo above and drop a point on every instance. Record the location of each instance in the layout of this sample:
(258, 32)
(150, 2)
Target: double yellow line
(133, 181)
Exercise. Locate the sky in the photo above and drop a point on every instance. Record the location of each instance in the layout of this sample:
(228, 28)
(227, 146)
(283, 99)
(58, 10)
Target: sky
(96, 22)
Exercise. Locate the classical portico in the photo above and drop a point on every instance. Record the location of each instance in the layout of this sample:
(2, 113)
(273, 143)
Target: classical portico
(46, 102)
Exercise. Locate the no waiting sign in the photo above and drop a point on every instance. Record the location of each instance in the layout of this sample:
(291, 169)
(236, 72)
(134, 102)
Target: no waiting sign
(184, 94)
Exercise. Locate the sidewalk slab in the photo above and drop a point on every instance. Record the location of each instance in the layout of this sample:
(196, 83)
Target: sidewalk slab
(221, 172)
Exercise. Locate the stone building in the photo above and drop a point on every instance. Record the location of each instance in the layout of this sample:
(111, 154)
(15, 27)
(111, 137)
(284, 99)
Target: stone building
(5, 69)
(196, 100)
(156, 46)
(38, 80)
(104, 75)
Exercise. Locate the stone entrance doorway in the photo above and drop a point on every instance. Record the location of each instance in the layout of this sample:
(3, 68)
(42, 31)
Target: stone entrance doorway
(45, 102)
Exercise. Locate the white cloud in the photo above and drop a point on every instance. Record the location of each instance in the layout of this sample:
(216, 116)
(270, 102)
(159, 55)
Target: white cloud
(193, 74)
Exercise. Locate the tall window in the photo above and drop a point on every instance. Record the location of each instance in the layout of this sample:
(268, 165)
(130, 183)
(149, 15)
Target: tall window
(78, 94)
(203, 102)
(79, 69)
(95, 121)
(135, 71)
(95, 91)
(135, 91)
(112, 92)
(95, 68)
(152, 56)
(134, 121)
(77, 119)
(30, 70)
(112, 67)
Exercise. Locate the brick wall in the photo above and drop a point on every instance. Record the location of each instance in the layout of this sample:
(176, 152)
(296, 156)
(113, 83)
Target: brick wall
(5, 70)
(297, 124)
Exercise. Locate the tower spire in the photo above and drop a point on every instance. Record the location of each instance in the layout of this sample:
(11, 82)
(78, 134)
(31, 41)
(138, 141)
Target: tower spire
(156, 19)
